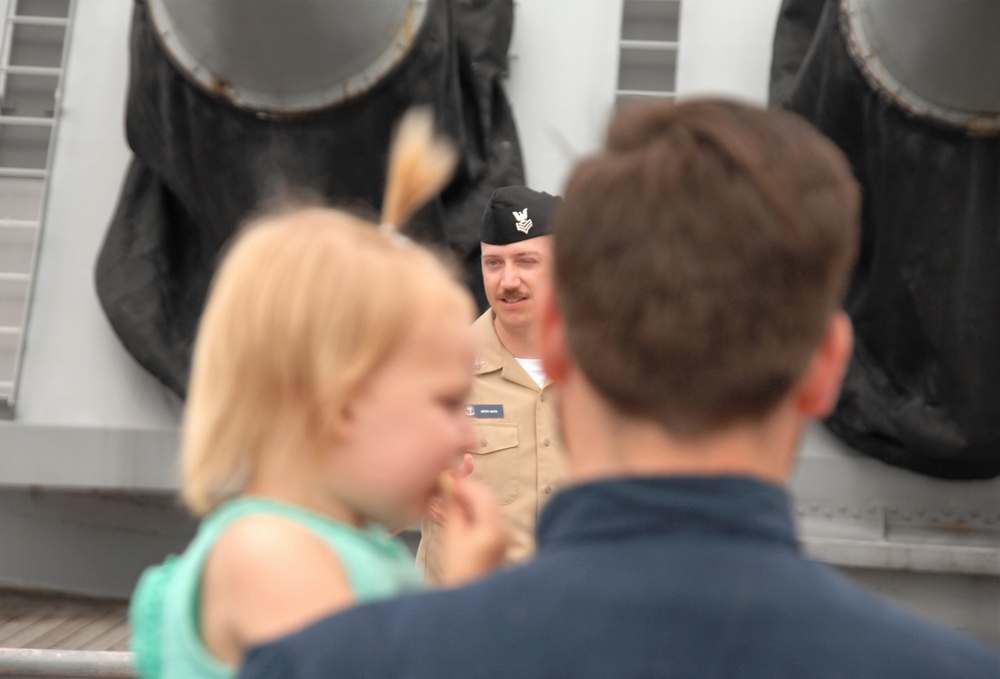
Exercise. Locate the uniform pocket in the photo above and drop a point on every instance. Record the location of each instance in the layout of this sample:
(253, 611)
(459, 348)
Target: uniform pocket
(495, 458)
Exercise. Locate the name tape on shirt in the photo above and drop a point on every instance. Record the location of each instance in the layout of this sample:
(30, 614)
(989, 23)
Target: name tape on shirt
(485, 411)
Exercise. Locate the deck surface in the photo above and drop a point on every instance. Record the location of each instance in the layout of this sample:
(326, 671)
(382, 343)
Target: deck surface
(55, 621)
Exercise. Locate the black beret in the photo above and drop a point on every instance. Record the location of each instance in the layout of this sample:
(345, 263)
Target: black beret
(516, 213)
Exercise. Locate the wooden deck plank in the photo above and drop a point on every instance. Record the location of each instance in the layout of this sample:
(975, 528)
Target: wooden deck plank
(13, 607)
(65, 628)
(41, 620)
(30, 636)
(36, 612)
(115, 639)
(27, 620)
(86, 634)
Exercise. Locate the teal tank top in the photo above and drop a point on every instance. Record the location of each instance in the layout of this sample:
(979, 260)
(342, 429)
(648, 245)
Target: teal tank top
(165, 609)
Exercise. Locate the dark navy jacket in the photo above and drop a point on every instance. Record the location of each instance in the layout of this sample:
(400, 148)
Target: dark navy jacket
(661, 577)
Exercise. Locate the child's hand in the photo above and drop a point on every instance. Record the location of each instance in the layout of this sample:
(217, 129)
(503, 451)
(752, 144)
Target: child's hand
(475, 532)
(435, 508)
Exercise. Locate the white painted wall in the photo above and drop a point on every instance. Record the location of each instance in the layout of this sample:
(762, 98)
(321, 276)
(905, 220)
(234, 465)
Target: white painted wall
(563, 74)
(726, 48)
(564, 68)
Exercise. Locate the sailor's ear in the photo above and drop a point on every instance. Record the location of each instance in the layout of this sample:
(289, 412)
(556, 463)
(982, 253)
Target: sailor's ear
(819, 387)
(551, 336)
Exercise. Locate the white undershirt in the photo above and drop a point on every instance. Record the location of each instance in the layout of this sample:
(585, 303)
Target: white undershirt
(533, 366)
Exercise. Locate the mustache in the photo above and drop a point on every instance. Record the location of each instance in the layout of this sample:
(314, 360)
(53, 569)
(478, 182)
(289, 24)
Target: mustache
(513, 291)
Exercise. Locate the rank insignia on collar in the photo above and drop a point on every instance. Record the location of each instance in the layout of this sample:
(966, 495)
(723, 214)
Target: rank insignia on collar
(523, 223)
(479, 363)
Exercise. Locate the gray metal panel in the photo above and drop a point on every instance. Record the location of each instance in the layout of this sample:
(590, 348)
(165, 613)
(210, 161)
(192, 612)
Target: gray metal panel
(90, 543)
(74, 371)
(966, 603)
(88, 457)
(929, 545)
(88, 416)
(31, 58)
(287, 56)
(907, 556)
(856, 511)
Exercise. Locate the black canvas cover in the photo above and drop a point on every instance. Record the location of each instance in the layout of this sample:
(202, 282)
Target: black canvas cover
(201, 165)
(921, 390)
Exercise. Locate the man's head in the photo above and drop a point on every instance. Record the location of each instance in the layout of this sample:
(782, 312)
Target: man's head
(516, 255)
(700, 258)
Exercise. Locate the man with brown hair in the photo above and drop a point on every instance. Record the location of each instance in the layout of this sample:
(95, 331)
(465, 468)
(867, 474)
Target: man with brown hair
(700, 261)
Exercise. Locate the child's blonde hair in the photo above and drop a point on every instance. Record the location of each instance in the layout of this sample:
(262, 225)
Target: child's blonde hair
(303, 309)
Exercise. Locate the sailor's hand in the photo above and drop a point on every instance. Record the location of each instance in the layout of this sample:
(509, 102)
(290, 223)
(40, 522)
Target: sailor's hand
(435, 508)
(475, 533)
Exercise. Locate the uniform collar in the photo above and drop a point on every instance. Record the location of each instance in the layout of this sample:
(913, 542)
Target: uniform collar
(493, 356)
(642, 507)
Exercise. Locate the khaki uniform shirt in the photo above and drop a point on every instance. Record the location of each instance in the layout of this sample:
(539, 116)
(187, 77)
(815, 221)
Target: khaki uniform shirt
(518, 453)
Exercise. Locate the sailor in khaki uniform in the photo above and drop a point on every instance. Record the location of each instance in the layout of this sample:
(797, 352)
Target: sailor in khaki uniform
(517, 452)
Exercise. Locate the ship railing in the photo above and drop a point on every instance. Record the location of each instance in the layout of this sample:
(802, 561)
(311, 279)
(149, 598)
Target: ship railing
(18, 663)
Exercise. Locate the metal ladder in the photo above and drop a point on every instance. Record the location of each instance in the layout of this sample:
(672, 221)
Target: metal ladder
(32, 62)
(648, 50)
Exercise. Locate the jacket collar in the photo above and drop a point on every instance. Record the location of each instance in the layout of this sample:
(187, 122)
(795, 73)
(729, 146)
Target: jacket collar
(637, 507)
(493, 356)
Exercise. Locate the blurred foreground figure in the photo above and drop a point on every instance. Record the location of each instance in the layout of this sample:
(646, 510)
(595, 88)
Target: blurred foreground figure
(318, 324)
(695, 328)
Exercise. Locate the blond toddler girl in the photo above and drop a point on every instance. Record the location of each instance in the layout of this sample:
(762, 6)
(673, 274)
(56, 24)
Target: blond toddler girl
(326, 399)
